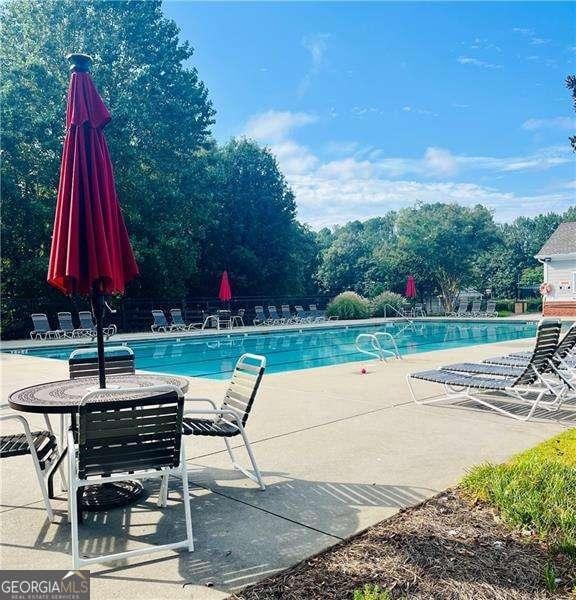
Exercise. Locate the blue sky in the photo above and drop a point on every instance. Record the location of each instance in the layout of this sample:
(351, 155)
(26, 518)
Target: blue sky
(375, 106)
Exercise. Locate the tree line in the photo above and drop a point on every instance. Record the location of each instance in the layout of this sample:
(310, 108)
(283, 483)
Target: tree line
(193, 207)
(446, 247)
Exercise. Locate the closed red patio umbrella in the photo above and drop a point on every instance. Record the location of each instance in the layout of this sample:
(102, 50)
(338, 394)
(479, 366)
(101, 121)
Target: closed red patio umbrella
(410, 291)
(225, 292)
(91, 252)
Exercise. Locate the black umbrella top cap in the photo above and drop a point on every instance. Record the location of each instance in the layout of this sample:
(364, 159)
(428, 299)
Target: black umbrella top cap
(79, 63)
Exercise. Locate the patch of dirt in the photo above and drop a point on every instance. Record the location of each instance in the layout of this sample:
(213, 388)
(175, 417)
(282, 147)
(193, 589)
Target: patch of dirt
(442, 549)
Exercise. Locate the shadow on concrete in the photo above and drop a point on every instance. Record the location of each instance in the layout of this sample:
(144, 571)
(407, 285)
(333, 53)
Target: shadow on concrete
(240, 533)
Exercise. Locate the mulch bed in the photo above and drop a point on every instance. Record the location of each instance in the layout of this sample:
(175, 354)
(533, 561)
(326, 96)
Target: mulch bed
(444, 548)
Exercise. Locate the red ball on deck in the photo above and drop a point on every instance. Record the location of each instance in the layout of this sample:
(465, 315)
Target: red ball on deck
(363, 371)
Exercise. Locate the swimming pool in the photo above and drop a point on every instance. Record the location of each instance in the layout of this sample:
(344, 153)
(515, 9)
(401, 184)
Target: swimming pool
(214, 357)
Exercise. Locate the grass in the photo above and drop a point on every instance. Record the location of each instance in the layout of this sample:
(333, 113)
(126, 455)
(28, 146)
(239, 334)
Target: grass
(535, 490)
(372, 592)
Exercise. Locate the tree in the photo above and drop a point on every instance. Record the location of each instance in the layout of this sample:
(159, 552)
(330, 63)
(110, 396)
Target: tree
(256, 235)
(571, 85)
(443, 240)
(498, 270)
(158, 136)
(349, 258)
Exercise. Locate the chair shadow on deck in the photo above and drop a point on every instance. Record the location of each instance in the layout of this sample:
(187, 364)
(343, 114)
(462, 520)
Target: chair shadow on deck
(241, 534)
(565, 414)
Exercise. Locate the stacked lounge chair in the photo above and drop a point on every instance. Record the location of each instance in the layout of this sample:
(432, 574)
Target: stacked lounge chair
(484, 383)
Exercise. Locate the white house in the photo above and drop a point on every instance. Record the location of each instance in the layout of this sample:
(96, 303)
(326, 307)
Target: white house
(558, 255)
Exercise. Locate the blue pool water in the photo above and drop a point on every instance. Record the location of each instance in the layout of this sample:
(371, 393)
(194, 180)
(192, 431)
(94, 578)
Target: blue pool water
(214, 356)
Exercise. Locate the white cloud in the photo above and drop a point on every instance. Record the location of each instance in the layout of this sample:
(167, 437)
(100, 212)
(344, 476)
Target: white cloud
(562, 123)
(476, 62)
(531, 36)
(441, 161)
(273, 125)
(362, 183)
(316, 45)
(418, 111)
(524, 31)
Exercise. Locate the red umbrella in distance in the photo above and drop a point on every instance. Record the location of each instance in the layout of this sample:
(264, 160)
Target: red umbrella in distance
(225, 293)
(91, 252)
(410, 291)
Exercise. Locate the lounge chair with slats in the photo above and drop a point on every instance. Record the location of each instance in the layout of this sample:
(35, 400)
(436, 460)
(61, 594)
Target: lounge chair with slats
(42, 329)
(260, 318)
(229, 419)
(490, 310)
(565, 349)
(161, 324)
(66, 325)
(275, 317)
(303, 316)
(527, 385)
(179, 324)
(475, 310)
(87, 323)
(287, 314)
(121, 440)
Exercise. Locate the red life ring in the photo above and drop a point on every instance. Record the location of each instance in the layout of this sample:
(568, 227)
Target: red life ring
(545, 288)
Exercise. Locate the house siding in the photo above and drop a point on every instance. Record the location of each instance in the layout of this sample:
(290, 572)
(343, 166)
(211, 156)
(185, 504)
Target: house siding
(561, 275)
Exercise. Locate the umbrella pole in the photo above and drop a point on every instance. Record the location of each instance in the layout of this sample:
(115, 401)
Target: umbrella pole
(98, 308)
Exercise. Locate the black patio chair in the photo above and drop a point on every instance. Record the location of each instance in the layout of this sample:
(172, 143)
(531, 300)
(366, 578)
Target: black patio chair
(122, 440)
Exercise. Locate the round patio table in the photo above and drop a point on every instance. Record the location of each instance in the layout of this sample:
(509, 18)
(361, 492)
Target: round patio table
(64, 397)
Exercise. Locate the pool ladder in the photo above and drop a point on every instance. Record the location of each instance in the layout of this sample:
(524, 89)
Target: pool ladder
(370, 344)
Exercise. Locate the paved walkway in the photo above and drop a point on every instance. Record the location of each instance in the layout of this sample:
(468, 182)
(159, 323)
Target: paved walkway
(339, 451)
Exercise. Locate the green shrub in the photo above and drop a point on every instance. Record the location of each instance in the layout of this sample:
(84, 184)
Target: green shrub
(348, 305)
(534, 305)
(505, 305)
(535, 489)
(378, 304)
(372, 592)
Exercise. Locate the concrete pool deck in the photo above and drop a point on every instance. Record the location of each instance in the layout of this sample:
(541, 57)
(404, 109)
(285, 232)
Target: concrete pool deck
(338, 450)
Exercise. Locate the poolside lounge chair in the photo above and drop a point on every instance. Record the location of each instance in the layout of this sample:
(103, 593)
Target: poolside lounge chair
(260, 318)
(317, 316)
(275, 317)
(303, 316)
(67, 326)
(462, 310)
(560, 357)
(179, 324)
(161, 323)
(475, 310)
(121, 440)
(238, 318)
(418, 310)
(436, 307)
(42, 329)
(287, 314)
(42, 447)
(118, 360)
(526, 385)
(87, 323)
(490, 309)
(229, 420)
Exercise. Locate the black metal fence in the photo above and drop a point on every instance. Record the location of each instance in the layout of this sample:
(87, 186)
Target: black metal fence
(134, 314)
